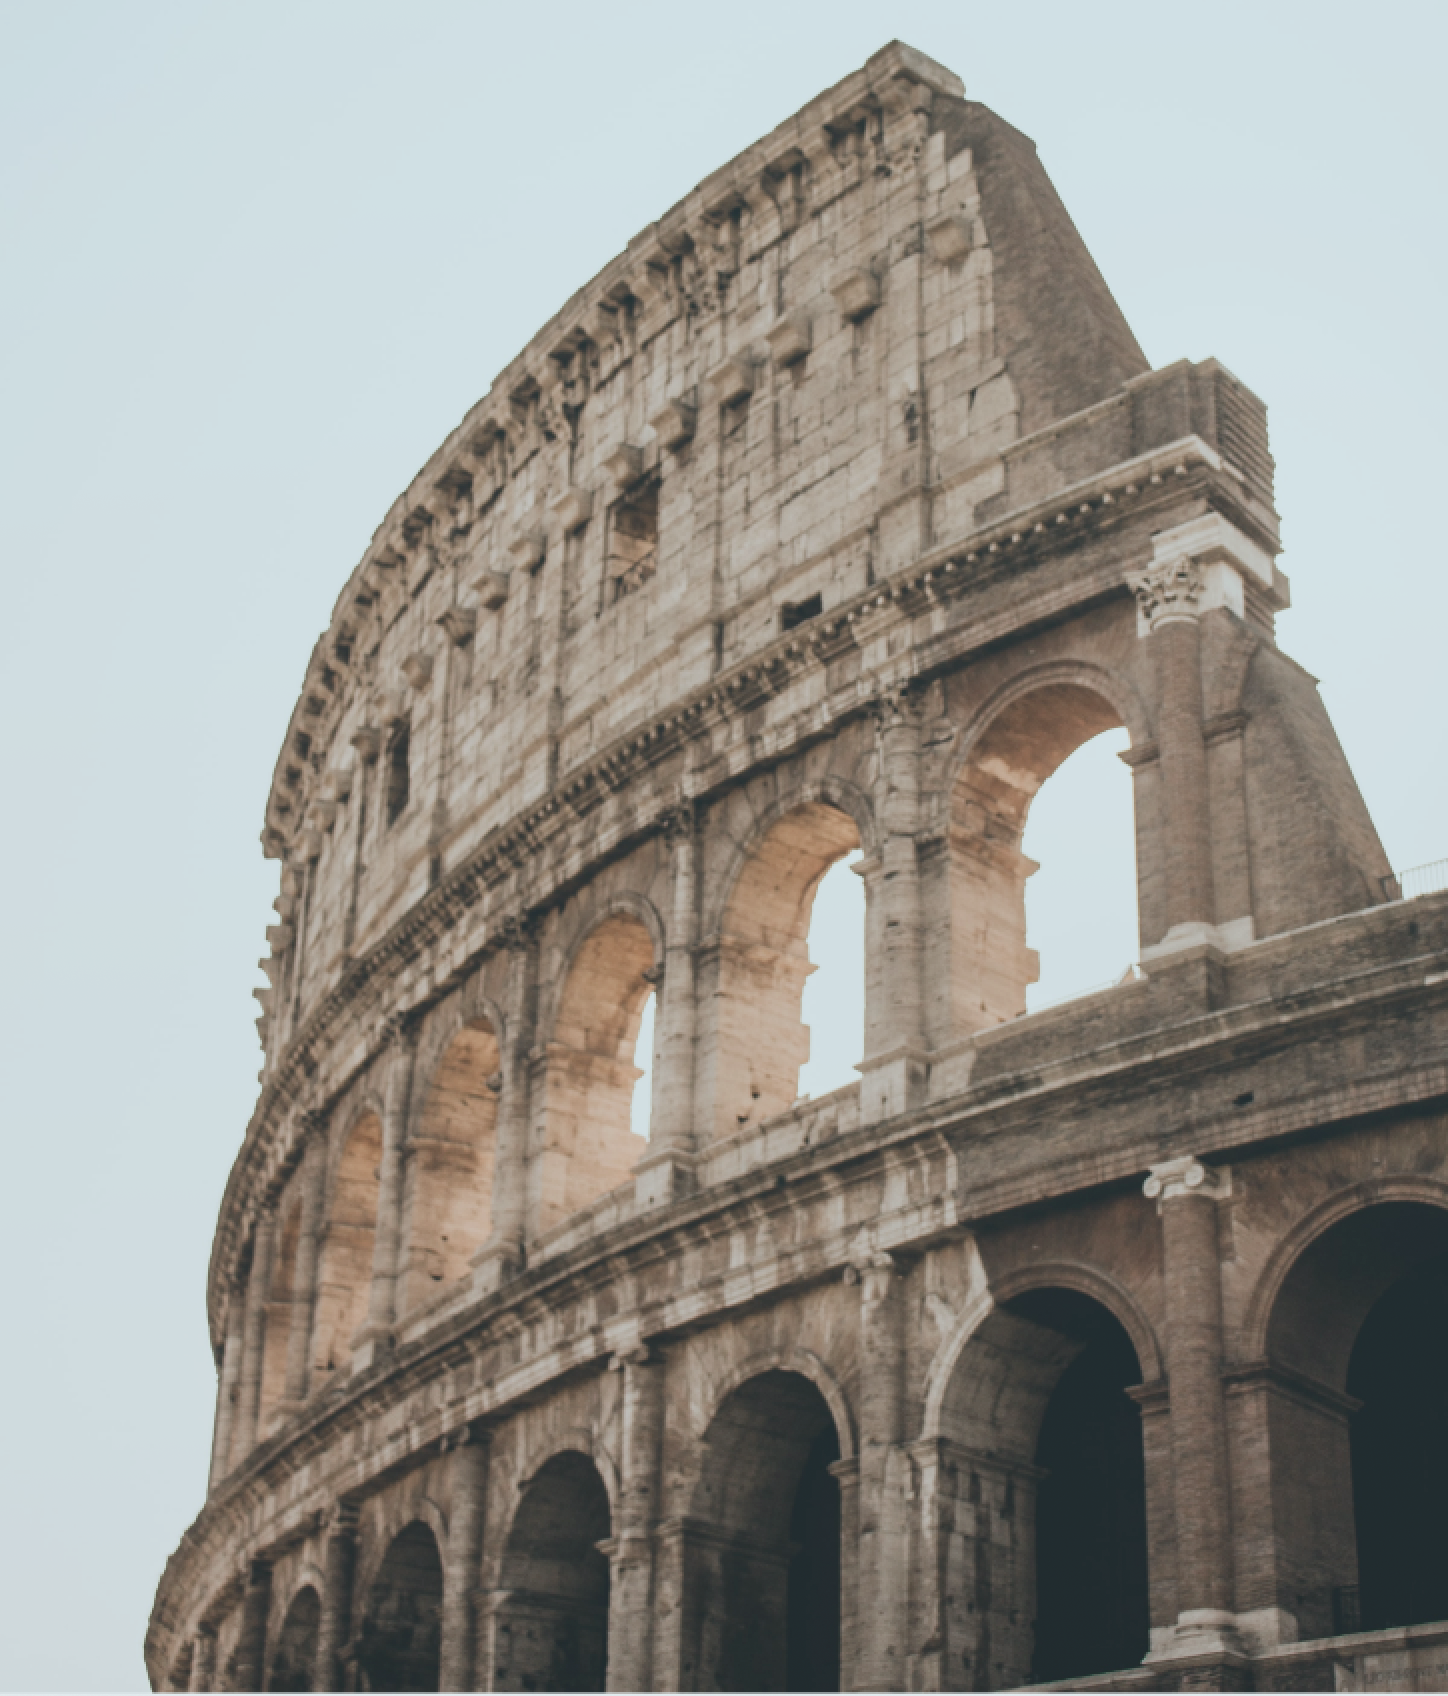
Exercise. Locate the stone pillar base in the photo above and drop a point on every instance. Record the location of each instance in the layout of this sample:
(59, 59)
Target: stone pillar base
(892, 1083)
(494, 1265)
(664, 1177)
(1201, 1633)
(370, 1346)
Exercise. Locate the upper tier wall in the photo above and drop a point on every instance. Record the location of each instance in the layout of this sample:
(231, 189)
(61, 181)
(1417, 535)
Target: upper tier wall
(813, 370)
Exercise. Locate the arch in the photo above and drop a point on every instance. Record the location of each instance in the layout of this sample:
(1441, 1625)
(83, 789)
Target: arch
(1043, 1560)
(1015, 741)
(550, 1631)
(398, 1646)
(1350, 1398)
(292, 1661)
(828, 791)
(344, 1266)
(588, 1146)
(1351, 1199)
(762, 1544)
(280, 1294)
(576, 1439)
(448, 1193)
(753, 971)
(806, 1364)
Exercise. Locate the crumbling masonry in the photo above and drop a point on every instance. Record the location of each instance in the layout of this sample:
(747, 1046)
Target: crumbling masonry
(832, 515)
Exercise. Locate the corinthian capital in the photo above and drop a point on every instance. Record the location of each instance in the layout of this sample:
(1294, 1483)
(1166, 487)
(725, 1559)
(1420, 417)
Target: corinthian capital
(1168, 591)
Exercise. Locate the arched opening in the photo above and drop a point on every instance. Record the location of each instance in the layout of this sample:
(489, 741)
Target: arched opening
(448, 1196)
(551, 1632)
(1356, 1409)
(992, 965)
(1043, 1568)
(762, 1590)
(296, 1651)
(641, 1104)
(1081, 911)
(1091, 1573)
(344, 1270)
(832, 1006)
(752, 1056)
(588, 1145)
(398, 1647)
(277, 1338)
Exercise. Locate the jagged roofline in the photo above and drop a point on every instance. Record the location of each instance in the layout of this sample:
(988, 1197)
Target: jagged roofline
(561, 335)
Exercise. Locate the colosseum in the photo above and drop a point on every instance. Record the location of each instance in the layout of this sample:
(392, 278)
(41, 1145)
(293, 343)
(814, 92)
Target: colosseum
(1099, 1346)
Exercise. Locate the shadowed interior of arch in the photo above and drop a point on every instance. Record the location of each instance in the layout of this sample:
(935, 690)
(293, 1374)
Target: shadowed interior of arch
(1046, 1565)
(279, 1314)
(1361, 1528)
(447, 1201)
(762, 1591)
(759, 1041)
(589, 1146)
(344, 1271)
(398, 1645)
(552, 1630)
(992, 964)
(293, 1663)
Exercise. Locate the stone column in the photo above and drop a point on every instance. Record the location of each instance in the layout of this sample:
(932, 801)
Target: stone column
(304, 1272)
(375, 1337)
(505, 1253)
(894, 1068)
(1168, 596)
(630, 1601)
(249, 1657)
(226, 1389)
(335, 1625)
(667, 1169)
(846, 1474)
(1187, 1194)
(203, 1660)
(882, 1646)
(462, 1574)
(253, 1338)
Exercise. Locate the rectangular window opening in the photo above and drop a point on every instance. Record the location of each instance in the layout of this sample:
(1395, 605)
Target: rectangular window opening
(796, 613)
(633, 542)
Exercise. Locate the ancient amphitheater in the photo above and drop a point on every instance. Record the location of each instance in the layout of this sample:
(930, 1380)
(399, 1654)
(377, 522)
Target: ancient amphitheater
(1084, 1345)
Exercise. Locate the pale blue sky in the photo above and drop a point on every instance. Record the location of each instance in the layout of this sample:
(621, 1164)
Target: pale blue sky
(258, 260)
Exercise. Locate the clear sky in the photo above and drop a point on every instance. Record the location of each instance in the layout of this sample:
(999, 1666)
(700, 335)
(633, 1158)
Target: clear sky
(258, 259)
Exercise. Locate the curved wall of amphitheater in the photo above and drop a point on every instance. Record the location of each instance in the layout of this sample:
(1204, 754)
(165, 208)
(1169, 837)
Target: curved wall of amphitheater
(834, 514)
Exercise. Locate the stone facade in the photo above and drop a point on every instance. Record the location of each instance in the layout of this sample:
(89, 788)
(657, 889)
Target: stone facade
(832, 515)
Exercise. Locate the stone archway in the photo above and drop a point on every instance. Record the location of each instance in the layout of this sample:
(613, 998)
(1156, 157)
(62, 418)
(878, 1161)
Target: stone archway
(1021, 739)
(753, 972)
(447, 1208)
(294, 1662)
(550, 1623)
(344, 1276)
(1352, 1403)
(760, 1557)
(399, 1644)
(1038, 1490)
(588, 1146)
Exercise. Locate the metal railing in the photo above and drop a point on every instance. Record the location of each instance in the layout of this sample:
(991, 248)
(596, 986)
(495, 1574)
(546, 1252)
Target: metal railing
(1431, 879)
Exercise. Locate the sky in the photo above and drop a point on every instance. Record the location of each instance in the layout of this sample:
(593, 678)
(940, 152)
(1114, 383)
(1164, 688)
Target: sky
(258, 259)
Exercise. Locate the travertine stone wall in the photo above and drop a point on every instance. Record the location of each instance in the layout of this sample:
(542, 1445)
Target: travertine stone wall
(833, 515)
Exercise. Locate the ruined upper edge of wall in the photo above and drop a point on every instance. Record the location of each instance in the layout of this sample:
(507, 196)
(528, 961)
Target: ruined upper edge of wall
(889, 208)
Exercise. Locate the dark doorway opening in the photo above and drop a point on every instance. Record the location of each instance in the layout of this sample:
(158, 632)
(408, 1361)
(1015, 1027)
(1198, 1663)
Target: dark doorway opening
(1399, 1371)
(400, 1642)
(1091, 1574)
(292, 1665)
(812, 1608)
